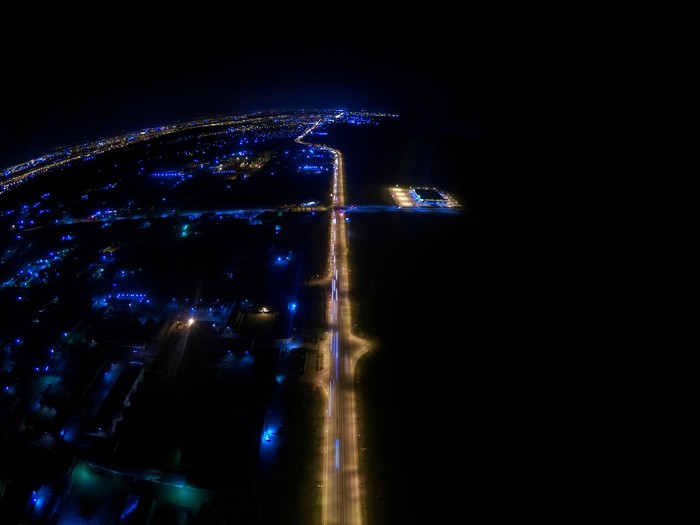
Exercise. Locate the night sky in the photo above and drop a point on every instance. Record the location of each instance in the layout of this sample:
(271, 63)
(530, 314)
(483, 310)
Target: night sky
(67, 80)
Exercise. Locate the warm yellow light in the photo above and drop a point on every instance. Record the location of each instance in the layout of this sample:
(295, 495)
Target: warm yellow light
(191, 321)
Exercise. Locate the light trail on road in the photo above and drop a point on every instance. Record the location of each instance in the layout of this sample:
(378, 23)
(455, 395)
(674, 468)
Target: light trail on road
(342, 498)
(341, 501)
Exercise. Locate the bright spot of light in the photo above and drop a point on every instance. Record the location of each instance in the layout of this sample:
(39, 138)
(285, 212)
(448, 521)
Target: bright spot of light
(191, 321)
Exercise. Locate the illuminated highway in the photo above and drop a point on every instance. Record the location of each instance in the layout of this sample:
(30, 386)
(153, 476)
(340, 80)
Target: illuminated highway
(342, 501)
(342, 497)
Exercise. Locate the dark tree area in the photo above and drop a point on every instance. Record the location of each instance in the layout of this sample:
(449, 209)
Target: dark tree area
(294, 496)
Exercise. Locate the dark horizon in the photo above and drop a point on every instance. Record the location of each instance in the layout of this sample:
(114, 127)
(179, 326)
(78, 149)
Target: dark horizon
(84, 82)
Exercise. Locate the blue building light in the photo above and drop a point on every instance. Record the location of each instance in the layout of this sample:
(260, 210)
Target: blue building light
(131, 506)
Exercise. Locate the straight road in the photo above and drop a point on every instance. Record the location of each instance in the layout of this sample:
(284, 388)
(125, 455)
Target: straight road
(342, 498)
